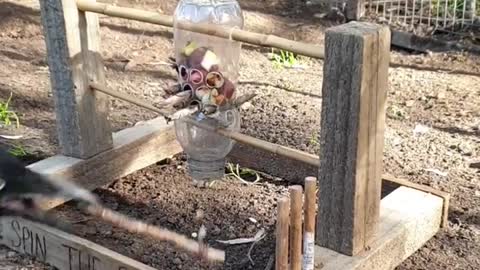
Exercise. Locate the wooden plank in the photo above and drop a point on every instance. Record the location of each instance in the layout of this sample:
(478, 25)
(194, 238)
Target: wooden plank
(353, 113)
(60, 249)
(408, 219)
(72, 40)
(425, 44)
(444, 195)
(279, 166)
(133, 149)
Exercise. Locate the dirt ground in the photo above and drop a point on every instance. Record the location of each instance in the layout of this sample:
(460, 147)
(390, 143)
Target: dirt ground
(432, 135)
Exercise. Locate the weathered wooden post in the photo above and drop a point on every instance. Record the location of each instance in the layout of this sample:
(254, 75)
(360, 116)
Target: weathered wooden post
(355, 9)
(73, 43)
(352, 133)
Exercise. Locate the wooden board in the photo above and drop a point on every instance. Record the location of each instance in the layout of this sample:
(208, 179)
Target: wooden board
(279, 166)
(133, 149)
(60, 249)
(408, 219)
(352, 135)
(73, 46)
(424, 44)
(390, 180)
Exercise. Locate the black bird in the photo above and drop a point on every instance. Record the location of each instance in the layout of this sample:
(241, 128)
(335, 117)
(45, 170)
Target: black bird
(22, 190)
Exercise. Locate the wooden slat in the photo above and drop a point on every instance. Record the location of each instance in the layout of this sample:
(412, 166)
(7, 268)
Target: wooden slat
(279, 166)
(134, 148)
(60, 249)
(444, 195)
(72, 41)
(408, 219)
(351, 136)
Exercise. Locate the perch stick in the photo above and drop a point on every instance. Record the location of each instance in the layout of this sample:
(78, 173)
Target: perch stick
(281, 247)
(258, 143)
(136, 226)
(261, 144)
(296, 197)
(236, 34)
(309, 226)
(128, 98)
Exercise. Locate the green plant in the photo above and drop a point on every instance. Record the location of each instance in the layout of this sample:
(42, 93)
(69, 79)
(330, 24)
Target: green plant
(18, 151)
(450, 7)
(6, 114)
(242, 173)
(313, 139)
(284, 59)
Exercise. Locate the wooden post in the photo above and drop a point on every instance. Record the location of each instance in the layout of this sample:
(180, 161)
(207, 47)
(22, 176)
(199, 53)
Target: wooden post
(309, 227)
(72, 39)
(296, 210)
(355, 9)
(352, 134)
(281, 248)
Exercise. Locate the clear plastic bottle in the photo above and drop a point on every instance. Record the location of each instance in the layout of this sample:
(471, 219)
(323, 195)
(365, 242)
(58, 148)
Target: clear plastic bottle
(209, 66)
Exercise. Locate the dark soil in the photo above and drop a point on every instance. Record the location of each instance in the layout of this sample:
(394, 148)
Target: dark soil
(172, 203)
(287, 111)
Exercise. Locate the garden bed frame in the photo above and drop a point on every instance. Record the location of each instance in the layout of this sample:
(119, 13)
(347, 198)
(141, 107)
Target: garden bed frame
(355, 228)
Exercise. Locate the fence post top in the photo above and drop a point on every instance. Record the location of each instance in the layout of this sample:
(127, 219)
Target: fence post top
(358, 28)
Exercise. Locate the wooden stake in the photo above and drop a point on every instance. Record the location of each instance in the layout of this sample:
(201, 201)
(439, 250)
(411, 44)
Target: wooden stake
(296, 232)
(281, 249)
(352, 135)
(125, 97)
(309, 229)
(223, 32)
(73, 47)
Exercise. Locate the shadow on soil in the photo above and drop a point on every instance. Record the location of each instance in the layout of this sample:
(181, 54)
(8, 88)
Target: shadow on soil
(9, 11)
(459, 131)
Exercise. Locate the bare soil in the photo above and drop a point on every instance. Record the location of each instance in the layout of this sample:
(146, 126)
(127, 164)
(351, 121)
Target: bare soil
(286, 111)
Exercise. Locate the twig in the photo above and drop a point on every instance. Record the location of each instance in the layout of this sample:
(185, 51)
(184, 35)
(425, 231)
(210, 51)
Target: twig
(249, 254)
(136, 226)
(83, 220)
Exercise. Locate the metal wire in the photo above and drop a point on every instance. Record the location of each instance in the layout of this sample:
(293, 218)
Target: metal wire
(439, 15)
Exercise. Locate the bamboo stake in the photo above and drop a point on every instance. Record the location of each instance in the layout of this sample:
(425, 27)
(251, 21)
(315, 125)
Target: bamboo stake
(261, 144)
(309, 229)
(136, 226)
(258, 143)
(296, 197)
(128, 98)
(236, 34)
(281, 248)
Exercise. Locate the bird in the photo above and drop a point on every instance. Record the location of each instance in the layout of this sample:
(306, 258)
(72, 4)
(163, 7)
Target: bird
(22, 190)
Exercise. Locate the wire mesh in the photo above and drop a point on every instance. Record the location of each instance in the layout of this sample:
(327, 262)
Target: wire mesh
(431, 15)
